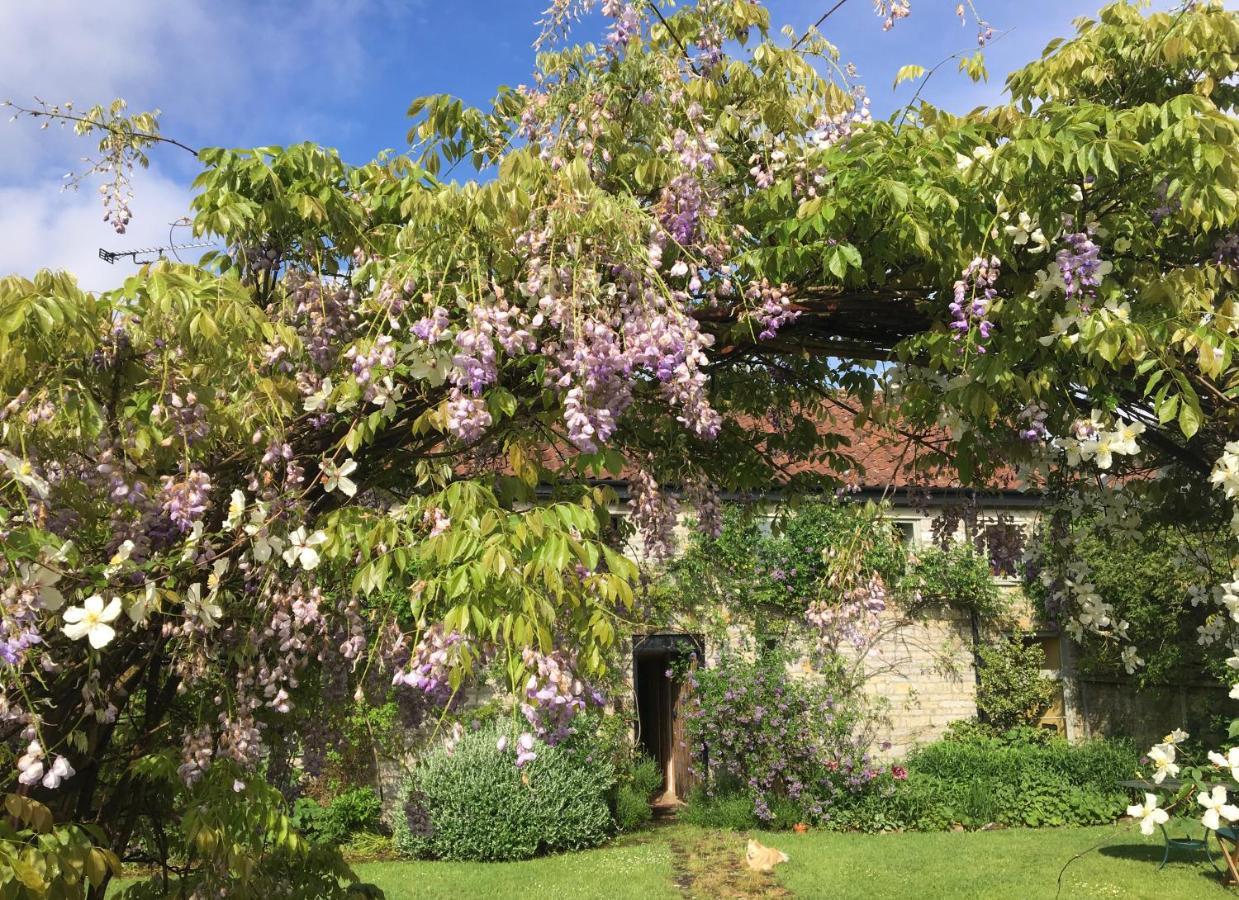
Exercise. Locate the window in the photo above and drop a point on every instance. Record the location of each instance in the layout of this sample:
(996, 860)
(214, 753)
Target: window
(907, 531)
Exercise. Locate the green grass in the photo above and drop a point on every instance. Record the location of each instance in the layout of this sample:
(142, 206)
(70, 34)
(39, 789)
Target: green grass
(631, 868)
(681, 861)
(684, 861)
(1021, 863)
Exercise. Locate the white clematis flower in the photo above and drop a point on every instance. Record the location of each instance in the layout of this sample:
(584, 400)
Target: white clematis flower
(336, 477)
(207, 611)
(1226, 470)
(90, 621)
(216, 578)
(42, 581)
(236, 509)
(1229, 761)
(1125, 438)
(1024, 230)
(1101, 449)
(23, 473)
(1162, 757)
(119, 558)
(139, 609)
(318, 400)
(191, 542)
(301, 548)
(1148, 814)
(1216, 808)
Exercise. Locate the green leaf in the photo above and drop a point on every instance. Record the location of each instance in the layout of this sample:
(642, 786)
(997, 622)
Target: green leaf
(908, 73)
(1189, 419)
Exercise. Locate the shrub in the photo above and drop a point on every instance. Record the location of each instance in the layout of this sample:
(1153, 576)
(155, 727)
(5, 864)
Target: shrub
(356, 810)
(734, 809)
(1013, 778)
(632, 794)
(1012, 691)
(472, 802)
(771, 735)
(352, 812)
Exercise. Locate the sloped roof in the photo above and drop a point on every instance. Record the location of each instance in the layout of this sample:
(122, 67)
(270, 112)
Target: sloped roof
(886, 458)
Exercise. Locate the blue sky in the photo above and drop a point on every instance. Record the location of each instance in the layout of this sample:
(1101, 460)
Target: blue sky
(342, 73)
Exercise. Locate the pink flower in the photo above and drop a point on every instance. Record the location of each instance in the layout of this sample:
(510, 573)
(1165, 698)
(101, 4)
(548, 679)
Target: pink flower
(524, 750)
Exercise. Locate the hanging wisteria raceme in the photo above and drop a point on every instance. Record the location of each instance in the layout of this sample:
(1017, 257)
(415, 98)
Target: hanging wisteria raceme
(430, 667)
(974, 294)
(184, 501)
(1226, 251)
(1032, 421)
(705, 500)
(326, 316)
(554, 695)
(772, 309)
(654, 513)
(891, 11)
(626, 24)
(852, 620)
(1080, 266)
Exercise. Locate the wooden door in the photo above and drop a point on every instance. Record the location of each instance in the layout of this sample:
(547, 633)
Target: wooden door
(682, 778)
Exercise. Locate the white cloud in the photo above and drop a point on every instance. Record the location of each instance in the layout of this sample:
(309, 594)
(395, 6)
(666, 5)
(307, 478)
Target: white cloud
(224, 73)
(218, 69)
(44, 228)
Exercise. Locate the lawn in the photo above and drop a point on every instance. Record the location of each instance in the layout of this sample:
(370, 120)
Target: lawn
(679, 861)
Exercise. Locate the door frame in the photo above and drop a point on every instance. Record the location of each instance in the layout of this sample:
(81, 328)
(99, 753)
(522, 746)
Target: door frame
(666, 645)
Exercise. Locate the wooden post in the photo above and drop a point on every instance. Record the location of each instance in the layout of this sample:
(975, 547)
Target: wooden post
(1230, 860)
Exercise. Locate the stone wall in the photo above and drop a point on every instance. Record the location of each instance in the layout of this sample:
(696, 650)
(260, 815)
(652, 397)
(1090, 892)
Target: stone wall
(1108, 707)
(922, 673)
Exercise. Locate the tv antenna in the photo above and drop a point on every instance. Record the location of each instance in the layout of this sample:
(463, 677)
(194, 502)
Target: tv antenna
(110, 256)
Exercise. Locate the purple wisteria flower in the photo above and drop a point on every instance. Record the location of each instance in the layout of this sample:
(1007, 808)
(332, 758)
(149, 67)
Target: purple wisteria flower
(974, 294)
(1080, 265)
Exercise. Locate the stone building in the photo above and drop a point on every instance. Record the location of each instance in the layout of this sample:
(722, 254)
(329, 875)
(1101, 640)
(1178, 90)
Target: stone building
(925, 669)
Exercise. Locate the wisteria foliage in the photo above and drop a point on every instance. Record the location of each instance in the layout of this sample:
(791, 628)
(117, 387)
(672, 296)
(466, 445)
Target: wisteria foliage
(391, 401)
